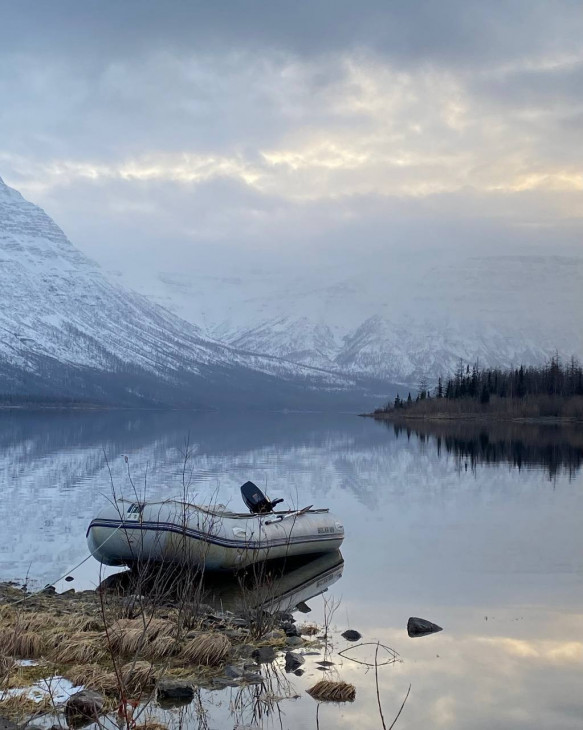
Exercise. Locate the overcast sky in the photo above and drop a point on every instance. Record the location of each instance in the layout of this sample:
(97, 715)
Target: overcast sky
(183, 134)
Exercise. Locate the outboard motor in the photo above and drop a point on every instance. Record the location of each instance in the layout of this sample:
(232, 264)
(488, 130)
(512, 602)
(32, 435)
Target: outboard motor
(256, 501)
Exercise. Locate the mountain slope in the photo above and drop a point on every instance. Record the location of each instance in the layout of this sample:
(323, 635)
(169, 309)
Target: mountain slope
(67, 330)
(415, 320)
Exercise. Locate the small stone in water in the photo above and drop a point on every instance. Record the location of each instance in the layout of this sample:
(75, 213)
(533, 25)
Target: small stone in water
(293, 661)
(252, 678)
(290, 629)
(351, 635)
(232, 672)
(421, 627)
(264, 654)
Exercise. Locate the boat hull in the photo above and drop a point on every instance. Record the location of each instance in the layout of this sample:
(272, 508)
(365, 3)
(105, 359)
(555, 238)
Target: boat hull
(127, 533)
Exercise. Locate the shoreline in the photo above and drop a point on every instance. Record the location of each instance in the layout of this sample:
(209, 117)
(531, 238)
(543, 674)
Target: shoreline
(116, 642)
(486, 418)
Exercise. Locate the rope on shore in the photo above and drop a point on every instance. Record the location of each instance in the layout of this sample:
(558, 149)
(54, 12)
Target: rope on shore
(66, 573)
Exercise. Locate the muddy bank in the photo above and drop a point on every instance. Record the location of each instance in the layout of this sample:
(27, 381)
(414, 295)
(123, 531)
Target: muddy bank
(479, 417)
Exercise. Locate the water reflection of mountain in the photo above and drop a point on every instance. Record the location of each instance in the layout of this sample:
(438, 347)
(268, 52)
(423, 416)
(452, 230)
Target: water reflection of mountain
(53, 468)
(45, 431)
(54, 475)
(557, 449)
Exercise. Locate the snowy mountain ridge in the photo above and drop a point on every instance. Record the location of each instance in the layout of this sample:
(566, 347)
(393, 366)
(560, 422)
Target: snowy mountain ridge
(319, 333)
(62, 320)
(415, 321)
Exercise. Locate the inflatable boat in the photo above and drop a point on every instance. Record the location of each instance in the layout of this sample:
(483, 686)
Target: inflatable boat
(210, 537)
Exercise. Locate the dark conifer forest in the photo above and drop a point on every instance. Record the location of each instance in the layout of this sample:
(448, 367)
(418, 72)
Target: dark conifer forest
(554, 389)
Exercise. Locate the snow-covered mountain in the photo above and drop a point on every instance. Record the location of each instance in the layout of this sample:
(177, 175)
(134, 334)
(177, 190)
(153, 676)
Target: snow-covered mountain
(413, 318)
(65, 329)
(321, 335)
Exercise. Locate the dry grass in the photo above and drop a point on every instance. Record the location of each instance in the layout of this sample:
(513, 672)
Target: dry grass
(22, 644)
(207, 649)
(138, 677)
(308, 629)
(80, 649)
(161, 648)
(6, 611)
(93, 676)
(19, 676)
(151, 725)
(129, 636)
(35, 635)
(56, 637)
(19, 706)
(6, 666)
(90, 624)
(129, 642)
(326, 691)
(36, 621)
(7, 641)
(159, 627)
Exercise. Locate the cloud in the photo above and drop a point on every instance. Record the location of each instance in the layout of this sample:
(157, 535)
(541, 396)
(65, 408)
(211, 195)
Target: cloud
(296, 129)
(441, 33)
(273, 127)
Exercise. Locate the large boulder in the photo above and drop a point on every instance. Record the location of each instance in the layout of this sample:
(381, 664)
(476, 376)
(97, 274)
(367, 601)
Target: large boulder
(171, 690)
(84, 706)
(421, 627)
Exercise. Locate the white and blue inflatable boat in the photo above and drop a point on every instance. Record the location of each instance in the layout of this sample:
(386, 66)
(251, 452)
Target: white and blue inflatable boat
(209, 537)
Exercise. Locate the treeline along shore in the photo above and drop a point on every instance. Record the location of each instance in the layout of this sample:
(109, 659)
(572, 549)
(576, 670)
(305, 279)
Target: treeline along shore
(551, 392)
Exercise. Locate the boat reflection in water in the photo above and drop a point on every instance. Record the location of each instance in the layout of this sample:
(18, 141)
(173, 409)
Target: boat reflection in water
(278, 585)
(275, 585)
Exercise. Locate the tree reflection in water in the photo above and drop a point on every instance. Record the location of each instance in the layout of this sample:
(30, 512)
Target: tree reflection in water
(557, 449)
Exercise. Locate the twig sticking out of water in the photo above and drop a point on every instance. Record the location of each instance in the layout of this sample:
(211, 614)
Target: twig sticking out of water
(376, 677)
(394, 656)
(401, 709)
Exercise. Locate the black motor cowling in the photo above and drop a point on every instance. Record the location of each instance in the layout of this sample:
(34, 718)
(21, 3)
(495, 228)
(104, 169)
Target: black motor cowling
(256, 501)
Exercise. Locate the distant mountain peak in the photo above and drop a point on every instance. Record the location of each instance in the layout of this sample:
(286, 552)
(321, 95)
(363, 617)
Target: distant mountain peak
(416, 319)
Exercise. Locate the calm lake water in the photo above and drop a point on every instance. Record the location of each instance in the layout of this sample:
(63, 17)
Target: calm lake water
(478, 532)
